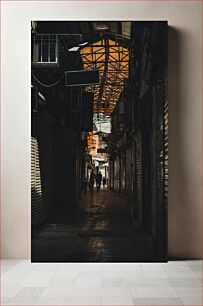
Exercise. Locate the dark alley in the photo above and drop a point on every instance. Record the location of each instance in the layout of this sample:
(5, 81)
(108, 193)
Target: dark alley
(99, 230)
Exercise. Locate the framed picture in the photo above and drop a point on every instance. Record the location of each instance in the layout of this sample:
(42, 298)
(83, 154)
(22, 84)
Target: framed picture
(99, 89)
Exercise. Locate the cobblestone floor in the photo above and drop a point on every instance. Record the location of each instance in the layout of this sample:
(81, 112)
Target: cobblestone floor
(100, 229)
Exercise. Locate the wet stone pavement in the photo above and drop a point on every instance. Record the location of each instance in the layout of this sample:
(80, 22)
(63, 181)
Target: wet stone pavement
(100, 229)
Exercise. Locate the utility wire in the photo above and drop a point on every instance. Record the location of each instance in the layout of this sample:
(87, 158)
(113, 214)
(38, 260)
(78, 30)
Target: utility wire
(47, 85)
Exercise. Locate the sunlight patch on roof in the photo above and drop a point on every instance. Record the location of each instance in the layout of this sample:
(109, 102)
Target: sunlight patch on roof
(112, 60)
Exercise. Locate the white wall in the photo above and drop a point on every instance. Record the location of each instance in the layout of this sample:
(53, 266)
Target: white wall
(184, 110)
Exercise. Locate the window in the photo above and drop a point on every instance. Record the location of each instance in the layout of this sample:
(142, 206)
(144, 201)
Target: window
(45, 49)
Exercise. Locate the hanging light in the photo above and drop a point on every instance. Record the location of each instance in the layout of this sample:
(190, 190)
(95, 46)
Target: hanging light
(74, 49)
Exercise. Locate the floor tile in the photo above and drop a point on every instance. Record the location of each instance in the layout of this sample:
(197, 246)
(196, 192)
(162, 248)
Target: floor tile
(83, 282)
(12, 280)
(185, 282)
(69, 301)
(71, 267)
(112, 282)
(157, 301)
(147, 282)
(37, 279)
(9, 292)
(122, 274)
(176, 263)
(122, 267)
(192, 301)
(6, 268)
(178, 274)
(21, 301)
(74, 292)
(115, 292)
(92, 267)
(61, 282)
(193, 262)
(152, 267)
(198, 274)
(154, 292)
(25, 283)
(24, 264)
(46, 267)
(196, 268)
(4, 301)
(117, 301)
(90, 274)
(155, 274)
(67, 274)
(189, 291)
(28, 292)
(177, 268)
(11, 261)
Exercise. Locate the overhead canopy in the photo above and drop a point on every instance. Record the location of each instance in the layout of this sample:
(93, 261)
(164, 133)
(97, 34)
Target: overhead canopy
(112, 60)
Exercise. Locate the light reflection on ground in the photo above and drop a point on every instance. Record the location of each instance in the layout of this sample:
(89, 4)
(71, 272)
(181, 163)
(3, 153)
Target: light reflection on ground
(98, 230)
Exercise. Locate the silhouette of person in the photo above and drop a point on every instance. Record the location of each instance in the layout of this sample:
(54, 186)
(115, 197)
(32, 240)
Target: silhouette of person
(104, 181)
(91, 183)
(98, 180)
(84, 184)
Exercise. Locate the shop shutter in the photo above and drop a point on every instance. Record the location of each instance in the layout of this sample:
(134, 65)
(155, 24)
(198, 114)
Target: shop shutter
(117, 173)
(112, 174)
(153, 125)
(128, 172)
(165, 217)
(138, 180)
(162, 170)
(36, 188)
(41, 168)
(154, 168)
(123, 173)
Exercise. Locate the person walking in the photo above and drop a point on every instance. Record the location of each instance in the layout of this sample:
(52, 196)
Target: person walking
(91, 183)
(84, 184)
(98, 180)
(104, 181)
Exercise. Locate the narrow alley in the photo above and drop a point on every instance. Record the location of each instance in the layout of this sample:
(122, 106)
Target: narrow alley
(99, 230)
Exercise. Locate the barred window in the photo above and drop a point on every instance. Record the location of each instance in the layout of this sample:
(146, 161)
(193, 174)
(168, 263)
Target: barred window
(45, 49)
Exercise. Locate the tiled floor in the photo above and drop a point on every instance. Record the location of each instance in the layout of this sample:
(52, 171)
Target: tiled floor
(173, 283)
